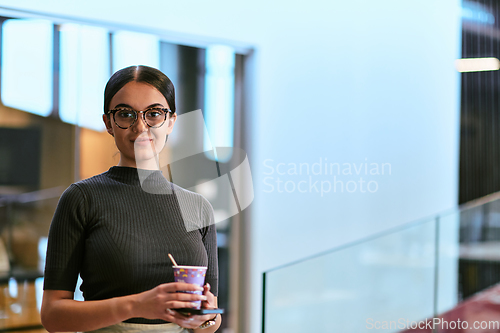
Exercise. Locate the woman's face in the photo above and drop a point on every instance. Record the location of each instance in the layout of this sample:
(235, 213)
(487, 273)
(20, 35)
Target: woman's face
(139, 144)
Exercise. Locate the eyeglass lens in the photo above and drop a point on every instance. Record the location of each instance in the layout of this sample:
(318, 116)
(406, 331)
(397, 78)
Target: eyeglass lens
(154, 117)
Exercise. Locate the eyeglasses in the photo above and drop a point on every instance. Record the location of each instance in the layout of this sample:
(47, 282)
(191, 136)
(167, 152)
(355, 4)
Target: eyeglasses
(153, 117)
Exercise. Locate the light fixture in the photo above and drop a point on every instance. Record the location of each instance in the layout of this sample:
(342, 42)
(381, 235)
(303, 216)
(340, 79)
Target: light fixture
(477, 64)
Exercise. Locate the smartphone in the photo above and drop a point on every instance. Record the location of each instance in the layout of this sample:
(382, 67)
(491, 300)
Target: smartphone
(186, 311)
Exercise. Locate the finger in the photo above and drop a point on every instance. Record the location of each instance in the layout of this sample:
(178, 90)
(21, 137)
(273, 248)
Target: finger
(185, 315)
(208, 294)
(172, 317)
(190, 323)
(180, 305)
(181, 286)
(194, 321)
(186, 297)
(209, 303)
(177, 314)
(204, 318)
(183, 321)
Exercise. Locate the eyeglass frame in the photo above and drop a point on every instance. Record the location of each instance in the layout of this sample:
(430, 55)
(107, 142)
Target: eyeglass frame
(166, 110)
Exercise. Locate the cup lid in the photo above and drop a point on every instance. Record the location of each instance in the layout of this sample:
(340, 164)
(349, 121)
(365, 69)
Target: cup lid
(190, 267)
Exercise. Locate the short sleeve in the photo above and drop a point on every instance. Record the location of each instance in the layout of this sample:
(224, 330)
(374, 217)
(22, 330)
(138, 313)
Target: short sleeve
(66, 241)
(209, 237)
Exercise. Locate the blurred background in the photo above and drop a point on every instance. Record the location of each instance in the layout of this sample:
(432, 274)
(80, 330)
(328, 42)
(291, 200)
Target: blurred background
(370, 128)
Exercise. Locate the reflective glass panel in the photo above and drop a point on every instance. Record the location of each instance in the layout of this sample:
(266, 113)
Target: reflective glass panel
(387, 280)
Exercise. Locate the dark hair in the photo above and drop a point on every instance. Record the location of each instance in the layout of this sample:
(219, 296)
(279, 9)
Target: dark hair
(144, 74)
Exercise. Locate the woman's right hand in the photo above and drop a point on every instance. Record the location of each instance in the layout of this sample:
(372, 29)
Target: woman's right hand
(153, 304)
(61, 313)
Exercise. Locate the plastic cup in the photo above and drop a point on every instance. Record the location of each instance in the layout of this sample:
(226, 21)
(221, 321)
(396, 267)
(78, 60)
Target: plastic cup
(191, 274)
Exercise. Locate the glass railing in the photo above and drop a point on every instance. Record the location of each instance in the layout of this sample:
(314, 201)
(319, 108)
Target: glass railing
(417, 276)
(24, 223)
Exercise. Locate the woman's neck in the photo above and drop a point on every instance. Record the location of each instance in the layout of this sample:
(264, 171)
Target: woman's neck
(151, 164)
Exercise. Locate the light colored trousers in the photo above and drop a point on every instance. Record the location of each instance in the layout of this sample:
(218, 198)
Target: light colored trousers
(137, 328)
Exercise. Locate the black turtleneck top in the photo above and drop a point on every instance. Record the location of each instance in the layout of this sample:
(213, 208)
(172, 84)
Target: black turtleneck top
(116, 230)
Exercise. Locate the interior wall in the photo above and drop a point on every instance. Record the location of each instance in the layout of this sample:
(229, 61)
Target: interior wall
(98, 152)
(57, 145)
(344, 82)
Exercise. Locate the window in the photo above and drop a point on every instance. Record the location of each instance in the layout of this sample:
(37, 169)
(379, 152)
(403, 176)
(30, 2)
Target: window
(27, 65)
(133, 48)
(84, 71)
(219, 98)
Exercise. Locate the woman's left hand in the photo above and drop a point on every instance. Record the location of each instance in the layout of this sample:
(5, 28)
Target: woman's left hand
(194, 321)
(211, 302)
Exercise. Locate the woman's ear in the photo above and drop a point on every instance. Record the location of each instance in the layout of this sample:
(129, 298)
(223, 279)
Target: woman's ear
(170, 122)
(107, 121)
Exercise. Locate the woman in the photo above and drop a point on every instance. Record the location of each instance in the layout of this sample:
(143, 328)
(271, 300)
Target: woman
(117, 236)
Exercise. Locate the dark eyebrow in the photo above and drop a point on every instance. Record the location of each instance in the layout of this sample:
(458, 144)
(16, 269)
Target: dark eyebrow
(122, 105)
(155, 105)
